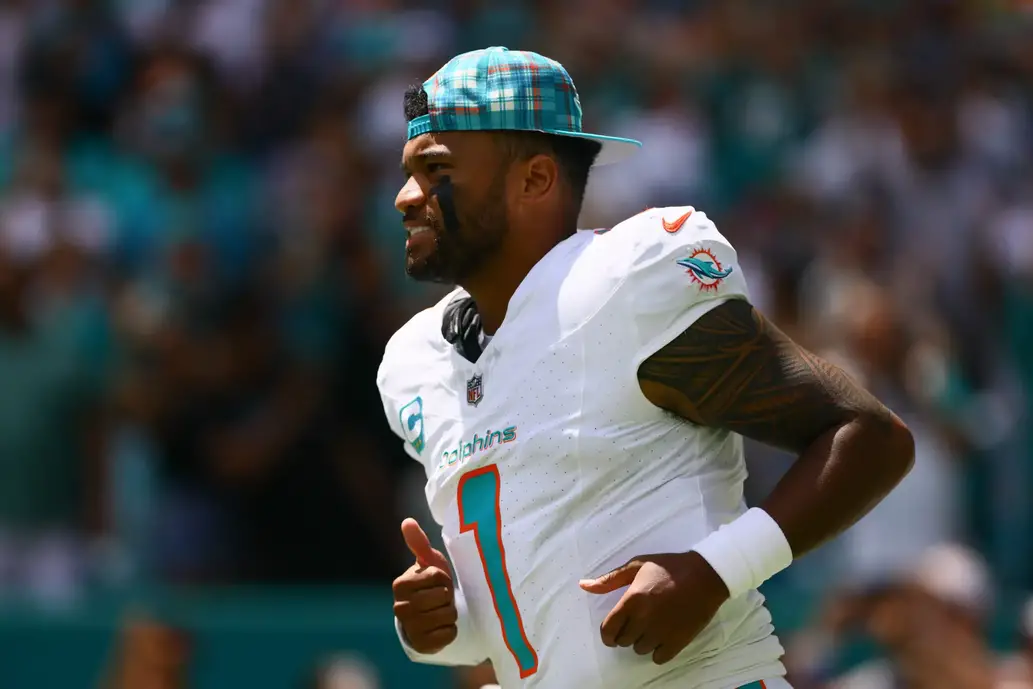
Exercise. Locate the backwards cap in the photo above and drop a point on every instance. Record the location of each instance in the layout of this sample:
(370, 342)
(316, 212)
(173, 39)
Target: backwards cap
(500, 89)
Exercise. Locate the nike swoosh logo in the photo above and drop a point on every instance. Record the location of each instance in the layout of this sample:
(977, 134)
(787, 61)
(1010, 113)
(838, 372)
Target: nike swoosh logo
(673, 227)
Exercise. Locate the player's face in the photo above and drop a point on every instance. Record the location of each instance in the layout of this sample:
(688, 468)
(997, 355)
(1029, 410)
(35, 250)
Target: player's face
(473, 165)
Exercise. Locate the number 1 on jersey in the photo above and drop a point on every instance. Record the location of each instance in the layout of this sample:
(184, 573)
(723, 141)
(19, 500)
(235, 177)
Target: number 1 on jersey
(479, 512)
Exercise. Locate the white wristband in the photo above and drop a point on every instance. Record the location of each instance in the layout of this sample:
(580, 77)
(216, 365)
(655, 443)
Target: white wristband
(747, 552)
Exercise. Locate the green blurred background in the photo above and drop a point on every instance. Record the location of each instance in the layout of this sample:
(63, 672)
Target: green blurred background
(200, 264)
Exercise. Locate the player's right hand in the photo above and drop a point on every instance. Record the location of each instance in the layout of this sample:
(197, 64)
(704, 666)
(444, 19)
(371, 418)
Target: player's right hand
(425, 602)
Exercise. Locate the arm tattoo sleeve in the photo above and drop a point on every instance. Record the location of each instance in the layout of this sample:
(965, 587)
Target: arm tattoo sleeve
(733, 369)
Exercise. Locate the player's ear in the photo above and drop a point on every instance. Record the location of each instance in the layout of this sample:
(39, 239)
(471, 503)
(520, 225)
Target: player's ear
(540, 177)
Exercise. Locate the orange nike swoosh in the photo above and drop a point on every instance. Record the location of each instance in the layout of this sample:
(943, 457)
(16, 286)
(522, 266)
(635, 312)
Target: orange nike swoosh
(673, 227)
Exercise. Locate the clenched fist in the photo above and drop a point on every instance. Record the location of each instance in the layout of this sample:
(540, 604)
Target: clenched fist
(424, 596)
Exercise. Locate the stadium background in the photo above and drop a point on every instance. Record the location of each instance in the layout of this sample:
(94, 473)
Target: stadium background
(200, 264)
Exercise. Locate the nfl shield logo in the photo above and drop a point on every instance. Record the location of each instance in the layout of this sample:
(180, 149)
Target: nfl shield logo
(474, 391)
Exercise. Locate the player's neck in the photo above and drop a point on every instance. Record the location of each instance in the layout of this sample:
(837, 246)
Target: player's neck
(495, 284)
(492, 289)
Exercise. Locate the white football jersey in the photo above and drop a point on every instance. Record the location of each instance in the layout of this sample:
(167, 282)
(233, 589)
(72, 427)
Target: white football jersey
(546, 464)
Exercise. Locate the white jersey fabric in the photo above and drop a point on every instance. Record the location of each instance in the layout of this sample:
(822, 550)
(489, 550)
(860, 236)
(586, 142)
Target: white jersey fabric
(546, 464)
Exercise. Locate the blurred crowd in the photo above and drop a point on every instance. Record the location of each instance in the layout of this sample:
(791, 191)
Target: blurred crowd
(929, 625)
(200, 262)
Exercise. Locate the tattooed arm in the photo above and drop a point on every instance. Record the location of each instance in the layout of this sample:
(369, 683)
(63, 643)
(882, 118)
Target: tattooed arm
(732, 369)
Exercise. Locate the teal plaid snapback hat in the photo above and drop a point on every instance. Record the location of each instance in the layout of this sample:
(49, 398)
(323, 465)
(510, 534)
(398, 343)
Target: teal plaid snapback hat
(500, 89)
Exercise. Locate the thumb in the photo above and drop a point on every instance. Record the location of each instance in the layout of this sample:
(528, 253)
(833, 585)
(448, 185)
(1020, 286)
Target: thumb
(612, 580)
(419, 545)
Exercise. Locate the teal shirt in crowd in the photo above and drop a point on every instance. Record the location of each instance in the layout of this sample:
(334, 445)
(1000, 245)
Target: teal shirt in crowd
(52, 379)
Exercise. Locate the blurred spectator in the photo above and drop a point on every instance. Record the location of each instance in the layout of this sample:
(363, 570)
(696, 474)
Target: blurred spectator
(149, 655)
(1017, 670)
(345, 673)
(55, 365)
(876, 347)
(930, 624)
(480, 677)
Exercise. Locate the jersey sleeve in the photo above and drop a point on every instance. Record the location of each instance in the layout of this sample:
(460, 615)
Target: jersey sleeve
(403, 409)
(675, 274)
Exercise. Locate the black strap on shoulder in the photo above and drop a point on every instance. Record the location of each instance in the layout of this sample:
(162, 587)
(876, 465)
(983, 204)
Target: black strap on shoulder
(461, 327)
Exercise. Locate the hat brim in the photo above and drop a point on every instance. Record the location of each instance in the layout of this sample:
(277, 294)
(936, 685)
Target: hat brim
(614, 150)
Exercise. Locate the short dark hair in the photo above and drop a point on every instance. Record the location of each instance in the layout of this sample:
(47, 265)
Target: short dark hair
(574, 155)
(416, 104)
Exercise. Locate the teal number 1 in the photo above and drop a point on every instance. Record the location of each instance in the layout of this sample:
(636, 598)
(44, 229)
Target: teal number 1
(479, 512)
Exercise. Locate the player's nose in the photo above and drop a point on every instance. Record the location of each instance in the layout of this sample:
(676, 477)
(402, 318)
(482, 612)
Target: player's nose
(410, 196)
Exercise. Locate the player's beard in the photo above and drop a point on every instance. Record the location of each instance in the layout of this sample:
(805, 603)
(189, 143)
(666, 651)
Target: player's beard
(459, 252)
